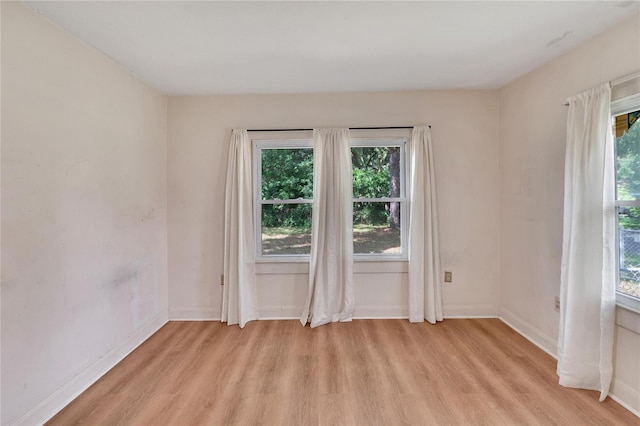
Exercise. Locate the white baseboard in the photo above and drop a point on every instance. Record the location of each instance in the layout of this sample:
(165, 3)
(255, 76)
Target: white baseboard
(286, 313)
(361, 312)
(66, 393)
(532, 334)
(623, 393)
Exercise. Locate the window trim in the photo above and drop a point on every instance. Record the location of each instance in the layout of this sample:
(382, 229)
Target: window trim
(619, 107)
(269, 140)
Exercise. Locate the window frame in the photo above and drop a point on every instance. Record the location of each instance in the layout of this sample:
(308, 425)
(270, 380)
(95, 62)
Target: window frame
(402, 143)
(258, 145)
(304, 139)
(619, 107)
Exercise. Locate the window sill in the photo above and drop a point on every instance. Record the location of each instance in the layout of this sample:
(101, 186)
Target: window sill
(628, 313)
(280, 259)
(387, 266)
(627, 302)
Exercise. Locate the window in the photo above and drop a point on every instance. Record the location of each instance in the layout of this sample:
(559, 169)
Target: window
(284, 198)
(626, 121)
(285, 189)
(379, 203)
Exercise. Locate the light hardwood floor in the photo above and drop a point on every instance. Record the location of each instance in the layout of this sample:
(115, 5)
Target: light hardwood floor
(368, 372)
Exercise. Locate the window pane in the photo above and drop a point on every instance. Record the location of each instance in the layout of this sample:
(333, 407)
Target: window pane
(287, 174)
(627, 129)
(628, 156)
(376, 171)
(629, 250)
(286, 229)
(376, 228)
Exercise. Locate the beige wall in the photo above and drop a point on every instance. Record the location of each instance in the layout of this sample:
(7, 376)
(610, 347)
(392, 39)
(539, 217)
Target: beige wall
(532, 141)
(84, 270)
(465, 144)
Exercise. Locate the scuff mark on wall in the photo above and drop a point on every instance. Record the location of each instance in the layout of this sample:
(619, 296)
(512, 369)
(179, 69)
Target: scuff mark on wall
(148, 216)
(138, 287)
(125, 275)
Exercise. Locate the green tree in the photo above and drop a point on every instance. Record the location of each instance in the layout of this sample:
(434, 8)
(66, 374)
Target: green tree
(376, 174)
(287, 174)
(628, 174)
(628, 161)
(394, 186)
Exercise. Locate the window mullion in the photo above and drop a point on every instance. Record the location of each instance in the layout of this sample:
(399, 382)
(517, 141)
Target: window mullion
(294, 201)
(628, 203)
(379, 200)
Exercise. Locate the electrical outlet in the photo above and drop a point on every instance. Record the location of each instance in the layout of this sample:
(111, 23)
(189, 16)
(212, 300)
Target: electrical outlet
(556, 304)
(448, 276)
(221, 279)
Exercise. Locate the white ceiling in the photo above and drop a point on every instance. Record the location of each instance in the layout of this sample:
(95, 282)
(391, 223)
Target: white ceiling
(192, 48)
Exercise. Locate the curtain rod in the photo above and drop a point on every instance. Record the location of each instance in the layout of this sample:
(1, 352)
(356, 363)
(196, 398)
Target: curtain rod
(617, 82)
(625, 79)
(350, 128)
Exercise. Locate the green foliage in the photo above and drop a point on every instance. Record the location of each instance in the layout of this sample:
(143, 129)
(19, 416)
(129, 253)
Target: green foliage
(626, 223)
(370, 183)
(628, 163)
(286, 215)
(287, 174)
(373, 177)
(629, 218)
(371, 213)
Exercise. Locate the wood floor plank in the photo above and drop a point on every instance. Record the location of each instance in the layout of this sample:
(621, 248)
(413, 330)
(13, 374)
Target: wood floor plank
(367, 372)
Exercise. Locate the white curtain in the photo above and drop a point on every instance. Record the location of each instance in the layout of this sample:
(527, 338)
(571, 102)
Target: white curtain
(330, 297)
(425, 287)
(239, 299)
(587, 289)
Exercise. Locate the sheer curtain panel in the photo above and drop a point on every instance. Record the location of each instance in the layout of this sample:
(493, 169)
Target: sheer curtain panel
(425, 287)
(330, 297)
(239, 299)
(587, 286)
